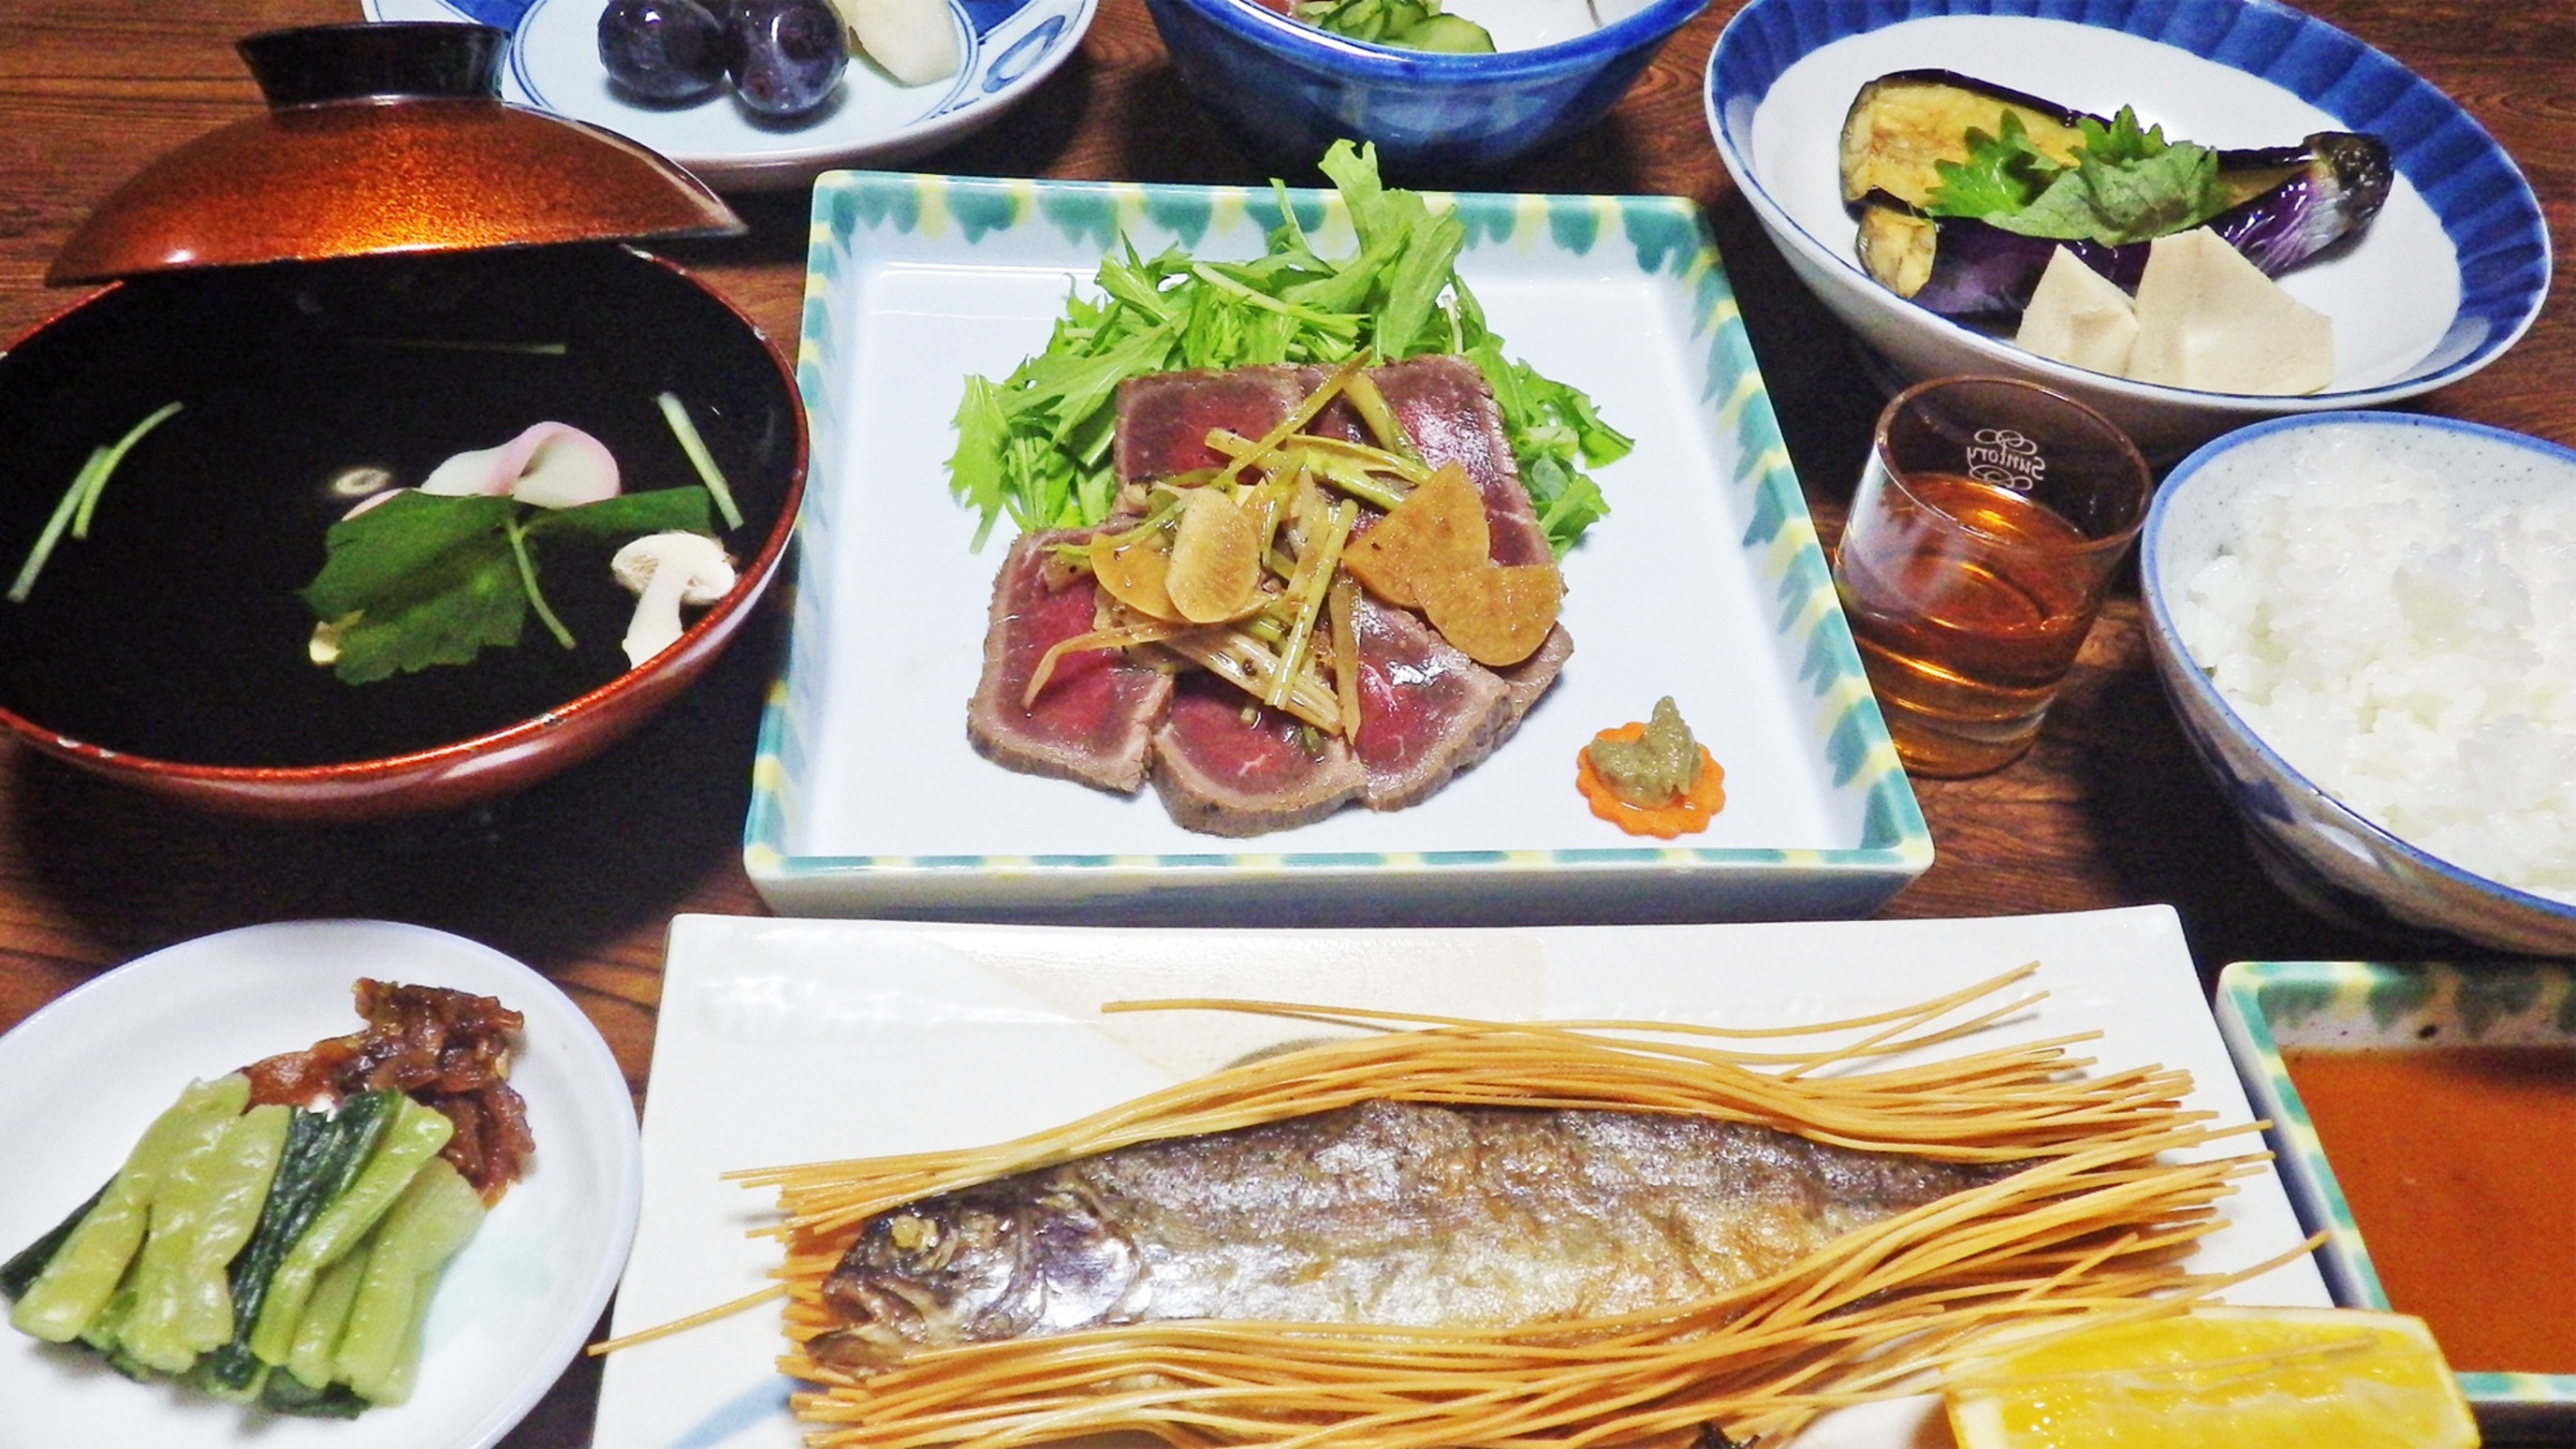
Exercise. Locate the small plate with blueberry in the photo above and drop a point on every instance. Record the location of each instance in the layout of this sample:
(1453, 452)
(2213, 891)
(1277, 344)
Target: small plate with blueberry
(762, 94)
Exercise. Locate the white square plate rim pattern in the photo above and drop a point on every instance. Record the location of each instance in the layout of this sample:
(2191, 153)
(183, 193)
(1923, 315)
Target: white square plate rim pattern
(873, 226)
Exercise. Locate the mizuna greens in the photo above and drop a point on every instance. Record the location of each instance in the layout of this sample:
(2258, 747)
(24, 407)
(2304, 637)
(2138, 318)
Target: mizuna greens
(1036, 445)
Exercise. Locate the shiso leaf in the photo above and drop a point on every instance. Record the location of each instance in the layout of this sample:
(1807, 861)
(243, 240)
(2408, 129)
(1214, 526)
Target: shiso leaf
(2128, 183)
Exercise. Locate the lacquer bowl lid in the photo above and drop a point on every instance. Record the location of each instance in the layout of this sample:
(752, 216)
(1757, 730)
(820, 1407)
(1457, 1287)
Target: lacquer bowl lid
(383, 138)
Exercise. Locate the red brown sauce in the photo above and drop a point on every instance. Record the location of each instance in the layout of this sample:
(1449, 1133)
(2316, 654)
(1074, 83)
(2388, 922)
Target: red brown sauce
(2459, 1164)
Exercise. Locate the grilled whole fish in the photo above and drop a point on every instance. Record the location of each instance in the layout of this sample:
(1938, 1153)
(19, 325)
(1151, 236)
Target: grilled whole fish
(1385, 1213)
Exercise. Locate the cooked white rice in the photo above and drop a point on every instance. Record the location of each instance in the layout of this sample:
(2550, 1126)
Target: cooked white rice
(2411, 649)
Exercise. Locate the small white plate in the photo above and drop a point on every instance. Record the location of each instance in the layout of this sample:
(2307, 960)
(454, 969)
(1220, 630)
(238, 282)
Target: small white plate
(1705, 583)
(86, 1074)
(1007, 48)
(796, 1041)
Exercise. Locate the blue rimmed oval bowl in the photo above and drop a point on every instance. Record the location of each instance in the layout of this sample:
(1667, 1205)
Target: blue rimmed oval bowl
(2450, 275)
(1294, 89)
(2311, 844)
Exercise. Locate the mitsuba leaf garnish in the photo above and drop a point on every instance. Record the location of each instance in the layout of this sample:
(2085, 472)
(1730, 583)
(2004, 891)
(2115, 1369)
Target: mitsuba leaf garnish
(2128, 183)
(1036, 445)
(423, 579)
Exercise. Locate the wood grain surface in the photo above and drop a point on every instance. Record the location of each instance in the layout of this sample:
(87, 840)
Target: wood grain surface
(580, 876)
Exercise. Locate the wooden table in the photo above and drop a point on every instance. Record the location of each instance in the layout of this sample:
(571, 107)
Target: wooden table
(580, 876)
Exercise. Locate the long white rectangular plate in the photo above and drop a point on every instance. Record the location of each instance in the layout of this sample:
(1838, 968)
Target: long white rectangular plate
(788, 1041)
(1704, 583)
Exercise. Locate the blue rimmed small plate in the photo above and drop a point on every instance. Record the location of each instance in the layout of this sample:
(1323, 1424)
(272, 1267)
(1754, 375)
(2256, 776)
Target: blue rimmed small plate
(2264, 1006)
(1008, 47)
(2451, 273)
(1705, 583)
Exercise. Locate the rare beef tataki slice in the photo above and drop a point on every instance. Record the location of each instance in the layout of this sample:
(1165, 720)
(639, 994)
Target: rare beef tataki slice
(1441, 401)
(1093, 720)
(1164, 417)
(1444, 406)
(1426, 710)
(1221, 774)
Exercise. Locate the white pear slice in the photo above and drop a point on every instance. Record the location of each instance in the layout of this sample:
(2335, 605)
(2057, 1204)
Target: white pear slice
(912, 40)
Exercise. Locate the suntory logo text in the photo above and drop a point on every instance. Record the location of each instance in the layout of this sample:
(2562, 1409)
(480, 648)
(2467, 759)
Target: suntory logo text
(2006, 457)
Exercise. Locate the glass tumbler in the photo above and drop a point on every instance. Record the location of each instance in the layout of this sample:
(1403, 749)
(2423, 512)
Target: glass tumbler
(1988, 522)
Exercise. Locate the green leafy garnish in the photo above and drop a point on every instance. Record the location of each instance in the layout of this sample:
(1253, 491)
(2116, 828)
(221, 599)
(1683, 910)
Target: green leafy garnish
(2128, 183)
(424, 579)
(2003, 173)
(1410, 24)
(1036, 445)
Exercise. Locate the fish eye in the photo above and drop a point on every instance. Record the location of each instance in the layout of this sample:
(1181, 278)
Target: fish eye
(910, 1233)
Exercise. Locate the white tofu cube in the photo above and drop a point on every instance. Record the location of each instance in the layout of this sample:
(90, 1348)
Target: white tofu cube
(2079, 317)
(2209, 319)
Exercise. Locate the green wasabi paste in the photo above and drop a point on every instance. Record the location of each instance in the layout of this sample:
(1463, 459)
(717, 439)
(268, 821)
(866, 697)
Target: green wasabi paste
(1656, 768)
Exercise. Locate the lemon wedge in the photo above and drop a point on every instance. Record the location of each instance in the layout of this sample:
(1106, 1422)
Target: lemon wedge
(2248, 1378)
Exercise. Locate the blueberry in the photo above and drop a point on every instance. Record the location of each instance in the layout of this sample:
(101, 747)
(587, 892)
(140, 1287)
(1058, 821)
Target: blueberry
(788, 53)
(664, 50)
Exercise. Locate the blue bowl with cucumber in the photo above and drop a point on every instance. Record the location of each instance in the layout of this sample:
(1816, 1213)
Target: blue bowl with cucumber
(1461, 87)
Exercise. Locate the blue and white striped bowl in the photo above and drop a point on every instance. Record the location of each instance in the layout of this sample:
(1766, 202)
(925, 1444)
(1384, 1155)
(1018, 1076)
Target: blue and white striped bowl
(1293, 89)
(2449, 276)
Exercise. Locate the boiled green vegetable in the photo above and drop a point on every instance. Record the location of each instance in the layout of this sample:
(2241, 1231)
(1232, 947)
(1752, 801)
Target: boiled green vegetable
(379, 1350)
(83, 1274)
(313, 1354)
(203, 1214)
(324, 1154)
(21, 1270)
(414, 1138)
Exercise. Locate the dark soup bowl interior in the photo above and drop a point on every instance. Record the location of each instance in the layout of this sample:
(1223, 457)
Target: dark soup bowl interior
(169, 647)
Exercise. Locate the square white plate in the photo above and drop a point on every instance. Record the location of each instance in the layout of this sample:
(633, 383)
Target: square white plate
(788, 1041)
(1704, 583)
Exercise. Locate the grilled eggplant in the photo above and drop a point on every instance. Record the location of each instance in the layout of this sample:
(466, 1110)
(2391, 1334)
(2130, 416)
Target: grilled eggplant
(2287, 203)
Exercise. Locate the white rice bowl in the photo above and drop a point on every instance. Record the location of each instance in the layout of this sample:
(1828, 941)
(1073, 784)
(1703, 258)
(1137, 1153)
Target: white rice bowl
(2367, 625)
(2411, 650)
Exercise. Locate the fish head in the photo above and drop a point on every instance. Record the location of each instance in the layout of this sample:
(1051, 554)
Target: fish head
(1009, 1260)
